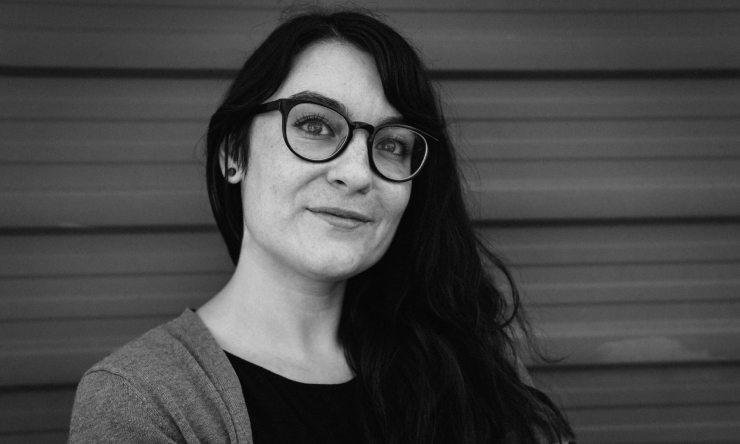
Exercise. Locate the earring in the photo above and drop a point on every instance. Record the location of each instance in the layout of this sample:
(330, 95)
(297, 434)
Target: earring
(231, 172)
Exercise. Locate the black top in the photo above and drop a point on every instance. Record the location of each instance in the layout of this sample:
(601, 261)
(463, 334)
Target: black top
(284, 411)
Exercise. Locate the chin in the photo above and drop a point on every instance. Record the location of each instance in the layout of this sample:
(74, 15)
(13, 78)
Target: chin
(336, 268)
(335, 273)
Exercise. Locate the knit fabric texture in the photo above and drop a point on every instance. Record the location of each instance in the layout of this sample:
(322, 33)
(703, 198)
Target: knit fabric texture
(174, 384)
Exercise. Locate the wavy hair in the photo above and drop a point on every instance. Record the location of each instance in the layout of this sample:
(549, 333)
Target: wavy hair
(426, 330)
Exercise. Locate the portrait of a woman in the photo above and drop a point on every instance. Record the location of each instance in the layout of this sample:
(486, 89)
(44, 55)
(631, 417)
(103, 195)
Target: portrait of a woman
(363, 307)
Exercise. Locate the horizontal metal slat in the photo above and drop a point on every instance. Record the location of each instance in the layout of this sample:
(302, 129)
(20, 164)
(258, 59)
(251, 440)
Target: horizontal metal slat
(23, 411)
(87, 35)
(626, 283)
(644, 342)
(59, 437)
(617, 244)
(627, 99)
(169, 99)
(679, 425)
(601, 139)
(605, 387)
(474, 5)
(112, 254)
(60, 352)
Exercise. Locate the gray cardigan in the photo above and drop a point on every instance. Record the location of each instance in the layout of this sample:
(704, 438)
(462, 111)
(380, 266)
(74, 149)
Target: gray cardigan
(172, 385)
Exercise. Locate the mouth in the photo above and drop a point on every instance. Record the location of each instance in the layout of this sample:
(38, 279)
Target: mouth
(340, 218)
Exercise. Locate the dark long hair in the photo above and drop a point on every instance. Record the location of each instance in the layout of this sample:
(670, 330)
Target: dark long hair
(426, 330)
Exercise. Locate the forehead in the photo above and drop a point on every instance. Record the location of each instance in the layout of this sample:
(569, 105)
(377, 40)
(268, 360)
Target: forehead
(343, 73)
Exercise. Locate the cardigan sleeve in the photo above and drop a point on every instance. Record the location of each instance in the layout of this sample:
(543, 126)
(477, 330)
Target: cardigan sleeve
(109, 409)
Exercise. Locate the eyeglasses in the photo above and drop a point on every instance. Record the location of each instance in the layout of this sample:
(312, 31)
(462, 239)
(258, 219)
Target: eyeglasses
(318, 133)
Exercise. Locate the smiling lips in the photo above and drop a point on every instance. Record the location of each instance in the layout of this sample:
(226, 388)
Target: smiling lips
(340, 218)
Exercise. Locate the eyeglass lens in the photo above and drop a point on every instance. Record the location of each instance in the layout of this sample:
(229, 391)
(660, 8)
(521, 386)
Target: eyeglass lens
(317, 132)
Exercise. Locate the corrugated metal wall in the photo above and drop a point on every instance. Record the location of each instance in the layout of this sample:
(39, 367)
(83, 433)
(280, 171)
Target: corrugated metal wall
(602, 145)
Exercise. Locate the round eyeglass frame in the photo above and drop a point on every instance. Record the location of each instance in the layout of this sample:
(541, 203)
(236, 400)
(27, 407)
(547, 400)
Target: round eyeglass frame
(285, 105)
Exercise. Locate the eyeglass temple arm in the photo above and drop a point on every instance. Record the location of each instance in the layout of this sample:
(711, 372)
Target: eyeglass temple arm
(265, 107)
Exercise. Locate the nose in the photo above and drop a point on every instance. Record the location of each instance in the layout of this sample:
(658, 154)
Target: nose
(351, 169)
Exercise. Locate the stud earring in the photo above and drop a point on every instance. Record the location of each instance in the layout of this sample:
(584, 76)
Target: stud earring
(231, 172)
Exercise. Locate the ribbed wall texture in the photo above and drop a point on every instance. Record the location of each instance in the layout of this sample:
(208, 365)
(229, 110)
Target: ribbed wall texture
(601, 143)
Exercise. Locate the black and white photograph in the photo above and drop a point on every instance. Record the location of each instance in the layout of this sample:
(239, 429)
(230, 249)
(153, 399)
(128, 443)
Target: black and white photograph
(370, 222)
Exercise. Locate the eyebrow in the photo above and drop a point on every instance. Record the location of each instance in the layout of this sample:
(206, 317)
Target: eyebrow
(323, 100)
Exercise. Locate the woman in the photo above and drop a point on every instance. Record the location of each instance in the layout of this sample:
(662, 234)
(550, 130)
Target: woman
(361, 308)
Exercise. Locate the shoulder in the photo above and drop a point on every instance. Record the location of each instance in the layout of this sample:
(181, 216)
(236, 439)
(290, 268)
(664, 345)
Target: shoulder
(110, 408)
(155, 363)
(159, 350)
(173, 381)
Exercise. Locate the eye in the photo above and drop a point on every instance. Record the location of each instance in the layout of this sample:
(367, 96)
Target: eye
(393, 146)
(314, 126)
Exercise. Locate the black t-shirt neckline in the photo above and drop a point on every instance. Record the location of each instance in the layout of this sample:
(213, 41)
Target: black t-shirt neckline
(283, 411)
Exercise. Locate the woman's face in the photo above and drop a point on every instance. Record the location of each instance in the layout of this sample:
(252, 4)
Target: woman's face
(326, 221)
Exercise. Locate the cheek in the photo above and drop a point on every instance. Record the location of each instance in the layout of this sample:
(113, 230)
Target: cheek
(264, 183)
(395, 207)
(270, 161)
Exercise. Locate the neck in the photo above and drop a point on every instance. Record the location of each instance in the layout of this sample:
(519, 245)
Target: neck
(284, 322)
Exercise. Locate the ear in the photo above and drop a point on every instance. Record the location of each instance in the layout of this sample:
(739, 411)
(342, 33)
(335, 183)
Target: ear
(229, 168)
